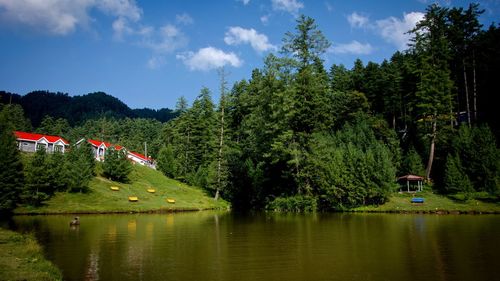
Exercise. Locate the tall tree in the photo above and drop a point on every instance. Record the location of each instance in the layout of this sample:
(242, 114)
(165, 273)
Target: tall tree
(38, 184)
(116, 165)
(434, 85)
(80, 168)
(11, 173)
(221, 160)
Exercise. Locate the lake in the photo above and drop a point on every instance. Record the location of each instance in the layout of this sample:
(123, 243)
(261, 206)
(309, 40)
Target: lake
(262, 246)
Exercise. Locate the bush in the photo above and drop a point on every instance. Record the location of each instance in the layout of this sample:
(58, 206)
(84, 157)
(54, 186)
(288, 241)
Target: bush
(293, 204)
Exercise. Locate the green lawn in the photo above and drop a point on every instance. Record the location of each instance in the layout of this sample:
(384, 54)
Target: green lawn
(101, 199)
(433, 203)
(21, 258)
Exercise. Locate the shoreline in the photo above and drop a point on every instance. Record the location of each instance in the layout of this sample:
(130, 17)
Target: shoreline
(153, 211)
(23, 258)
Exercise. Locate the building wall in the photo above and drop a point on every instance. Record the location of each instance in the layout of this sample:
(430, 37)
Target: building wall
(26, 146)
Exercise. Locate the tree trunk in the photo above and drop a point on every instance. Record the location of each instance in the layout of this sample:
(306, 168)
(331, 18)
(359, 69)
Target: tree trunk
(221, 144)
(467, 104)
(222, 77)
(432, 148)
(474, 84)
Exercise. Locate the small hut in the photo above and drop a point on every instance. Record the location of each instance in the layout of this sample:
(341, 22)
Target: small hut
(412, 183)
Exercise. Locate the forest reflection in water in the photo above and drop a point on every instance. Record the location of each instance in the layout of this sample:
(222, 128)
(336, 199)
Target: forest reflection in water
(269, 246)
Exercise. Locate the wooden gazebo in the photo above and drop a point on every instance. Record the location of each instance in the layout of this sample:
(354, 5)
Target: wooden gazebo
(410, 181)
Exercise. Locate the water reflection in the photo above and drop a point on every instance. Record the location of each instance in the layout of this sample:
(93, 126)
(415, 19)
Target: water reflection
(226, 246)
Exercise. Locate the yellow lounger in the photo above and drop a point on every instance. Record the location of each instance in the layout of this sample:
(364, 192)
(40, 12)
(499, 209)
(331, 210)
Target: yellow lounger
(171, 200)
(115, 188)
(151, 190)
(133, 199)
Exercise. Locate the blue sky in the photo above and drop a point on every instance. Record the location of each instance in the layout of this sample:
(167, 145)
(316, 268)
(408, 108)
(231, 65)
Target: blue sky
(149, 53)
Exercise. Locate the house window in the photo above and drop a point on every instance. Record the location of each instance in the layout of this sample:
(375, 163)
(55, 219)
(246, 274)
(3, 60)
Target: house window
(40, 146)
(25, 144)
(58, 148)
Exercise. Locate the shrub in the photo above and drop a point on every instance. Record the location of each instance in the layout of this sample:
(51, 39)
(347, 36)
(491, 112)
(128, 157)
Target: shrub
(293, 204)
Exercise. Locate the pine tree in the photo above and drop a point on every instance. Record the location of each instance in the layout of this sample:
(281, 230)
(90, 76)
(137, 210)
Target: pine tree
(455, 179)
(11, 172)
(116, 165)
(167, 163)
(435, 85)
(80, 166)
(38, 179)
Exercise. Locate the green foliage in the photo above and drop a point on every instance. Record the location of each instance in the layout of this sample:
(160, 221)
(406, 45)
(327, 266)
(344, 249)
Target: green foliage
(455, 179)
(116, 165)
(11, 171)
(412, 163)
(80, 168)
(350, 168)
(38, 180)
(297, 204)
(476, 148)
(167, 163)
(13, 114)
(55, 127)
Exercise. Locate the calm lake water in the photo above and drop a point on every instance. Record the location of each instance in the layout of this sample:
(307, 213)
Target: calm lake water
(228, 246)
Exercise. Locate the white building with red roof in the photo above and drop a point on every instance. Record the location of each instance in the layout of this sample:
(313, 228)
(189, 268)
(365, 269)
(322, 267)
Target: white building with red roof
(31, 142)
(99, 149)
(139, 158)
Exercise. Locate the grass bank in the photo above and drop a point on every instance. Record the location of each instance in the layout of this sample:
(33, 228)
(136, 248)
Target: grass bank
(101, 199)
(21, 258)
(434, 203)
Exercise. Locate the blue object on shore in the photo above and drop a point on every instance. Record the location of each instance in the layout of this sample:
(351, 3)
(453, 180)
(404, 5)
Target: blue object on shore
(417, 200)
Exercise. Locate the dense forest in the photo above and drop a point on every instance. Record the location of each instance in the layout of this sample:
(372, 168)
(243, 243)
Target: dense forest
(300, 136)
(78, 109)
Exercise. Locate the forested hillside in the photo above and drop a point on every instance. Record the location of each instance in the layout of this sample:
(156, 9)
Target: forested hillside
(78, 109)
(300, 135)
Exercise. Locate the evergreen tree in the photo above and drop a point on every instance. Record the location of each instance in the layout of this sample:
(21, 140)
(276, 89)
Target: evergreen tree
(116, 165)
(455, 179)
(38, 180)
(340, 79)
(167, 163)
(412, 163)
(13, 114)
(11, 172)
(80, 167)
(434, 87)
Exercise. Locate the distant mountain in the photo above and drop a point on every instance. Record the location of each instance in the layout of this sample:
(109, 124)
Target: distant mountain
(78, 109)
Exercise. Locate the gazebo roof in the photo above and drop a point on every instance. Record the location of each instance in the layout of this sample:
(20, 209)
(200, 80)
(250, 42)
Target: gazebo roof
(411, 178)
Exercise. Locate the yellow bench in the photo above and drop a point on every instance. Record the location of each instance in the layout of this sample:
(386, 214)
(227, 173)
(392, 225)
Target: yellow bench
(133, 199)
(171, 200)
(115, 188)
(151, 190)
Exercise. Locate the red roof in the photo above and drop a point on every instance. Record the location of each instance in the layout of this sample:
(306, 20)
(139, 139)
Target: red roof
(106, 144)
(138, 155)
(37, 137)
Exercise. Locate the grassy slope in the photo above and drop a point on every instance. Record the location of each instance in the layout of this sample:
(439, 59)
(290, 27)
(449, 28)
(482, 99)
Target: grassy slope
(21, 258)
(101, 199)
(433, 203)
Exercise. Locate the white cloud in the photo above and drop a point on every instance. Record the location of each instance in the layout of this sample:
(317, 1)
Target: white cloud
(245, 2)
(209, 58)
(166, 39)
(61, 17)
(265, 19)
(238, 35)
(357, 21)
(184, 19)
(290, 6)
(121, 8)
(354, 47)
(395, 31)
(156, 62)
